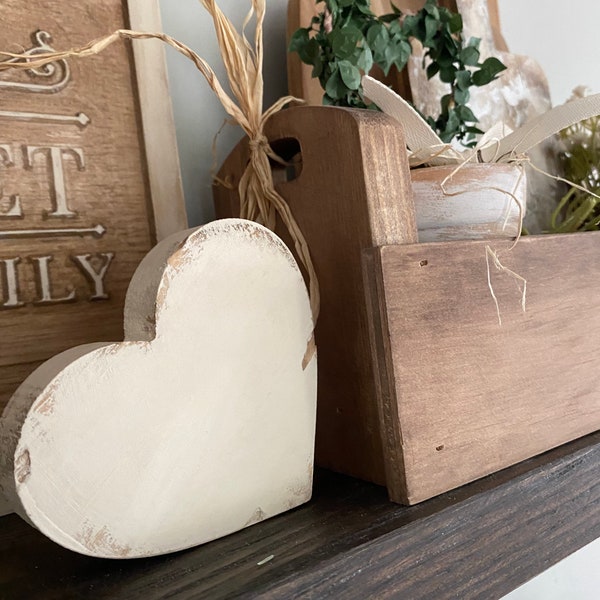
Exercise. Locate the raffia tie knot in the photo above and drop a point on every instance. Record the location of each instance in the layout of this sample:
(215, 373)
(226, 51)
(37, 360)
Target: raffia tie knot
(259, 143)
(259, 200)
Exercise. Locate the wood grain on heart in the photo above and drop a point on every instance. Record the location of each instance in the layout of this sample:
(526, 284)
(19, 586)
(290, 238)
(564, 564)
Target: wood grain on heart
(200, 423)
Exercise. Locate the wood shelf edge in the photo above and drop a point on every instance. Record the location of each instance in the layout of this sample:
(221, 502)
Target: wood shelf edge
(480, 541)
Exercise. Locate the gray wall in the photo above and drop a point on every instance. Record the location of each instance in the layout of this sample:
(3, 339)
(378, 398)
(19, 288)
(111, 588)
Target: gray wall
(198, 114)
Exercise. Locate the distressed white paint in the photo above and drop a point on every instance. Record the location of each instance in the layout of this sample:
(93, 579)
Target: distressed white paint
(199, 424)
(161, 156)
(475, 201)
(55, 155)
(11, 283)
(14, 209)
(80, 119)
(95, 276)
(50, 79)
(97, 231)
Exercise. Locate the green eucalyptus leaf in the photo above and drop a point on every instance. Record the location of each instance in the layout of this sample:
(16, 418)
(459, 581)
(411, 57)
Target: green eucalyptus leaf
(431, 28)
(461, 96)
(447, 74)
(447, 136)
(335, 87)
(469, 56)
(493, 66)
(474, 42)
(344, 3)
(445, 103)
(403, 51)
(378, 38)
(432, 70)
(453, 123)
(317, 67)
(481, 78)
(350, 74)
(311, 52)
(473, 130)
(431, 122)
(463, 80)
(455, 23)
(298, 40)
(332, 5)
(365, 8)
(443, 58)
(344, 41)
(452, 47)
(387, 60)
(395, 29)
(488, 71)
(431, 8)
(365, 60)
(465, 114)
(355, 100)
(411, 25)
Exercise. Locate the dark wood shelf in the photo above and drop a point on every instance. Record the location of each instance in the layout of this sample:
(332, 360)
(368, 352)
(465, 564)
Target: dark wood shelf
(480, 541)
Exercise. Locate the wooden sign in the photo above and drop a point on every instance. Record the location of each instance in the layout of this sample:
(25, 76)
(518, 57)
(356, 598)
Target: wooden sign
(89, 177)
(201, 423)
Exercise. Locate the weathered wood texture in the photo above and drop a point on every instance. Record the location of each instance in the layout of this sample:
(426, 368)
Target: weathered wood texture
(212, 372)
(477, 201)
(463, 396)
(478, 542)
(353, 192)
(79, 209)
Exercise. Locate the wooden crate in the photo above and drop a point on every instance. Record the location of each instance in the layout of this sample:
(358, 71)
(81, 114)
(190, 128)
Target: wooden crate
(420, 388)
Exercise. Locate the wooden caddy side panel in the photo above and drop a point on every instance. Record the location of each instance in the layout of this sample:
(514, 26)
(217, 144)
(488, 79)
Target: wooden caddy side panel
(353, 192)
(466, 396)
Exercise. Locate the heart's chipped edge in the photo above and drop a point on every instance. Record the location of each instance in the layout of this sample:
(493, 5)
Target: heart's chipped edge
(142, 304)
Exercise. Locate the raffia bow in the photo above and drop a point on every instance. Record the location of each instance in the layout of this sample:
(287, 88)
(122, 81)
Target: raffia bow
(259, 201)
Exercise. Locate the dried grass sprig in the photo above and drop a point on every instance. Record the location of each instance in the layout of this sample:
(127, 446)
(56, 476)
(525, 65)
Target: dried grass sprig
(259, 201)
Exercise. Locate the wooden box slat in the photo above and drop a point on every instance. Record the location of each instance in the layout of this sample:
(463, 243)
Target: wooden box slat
(463, 396)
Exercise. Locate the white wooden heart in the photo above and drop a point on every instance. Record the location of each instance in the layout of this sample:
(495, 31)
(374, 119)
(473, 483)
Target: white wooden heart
(199, 424)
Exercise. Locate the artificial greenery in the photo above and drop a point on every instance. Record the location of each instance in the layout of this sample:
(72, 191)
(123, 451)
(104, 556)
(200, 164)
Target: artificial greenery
(578, 209)
(347, 39)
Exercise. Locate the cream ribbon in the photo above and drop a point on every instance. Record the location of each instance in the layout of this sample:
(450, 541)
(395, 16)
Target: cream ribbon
(427, 148)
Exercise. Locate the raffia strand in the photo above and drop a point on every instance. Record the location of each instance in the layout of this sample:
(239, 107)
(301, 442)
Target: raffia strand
(259, 201)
